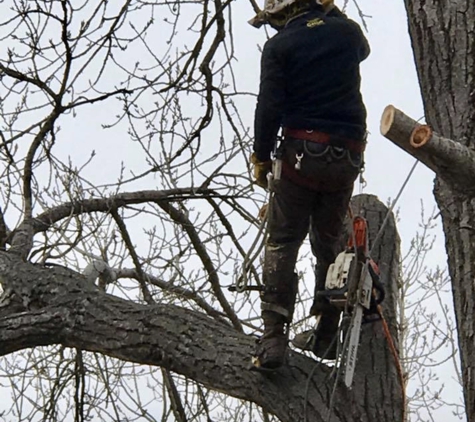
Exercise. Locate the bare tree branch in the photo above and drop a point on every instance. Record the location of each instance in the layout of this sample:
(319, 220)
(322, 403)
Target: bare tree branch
(138, 266)
(180, 218)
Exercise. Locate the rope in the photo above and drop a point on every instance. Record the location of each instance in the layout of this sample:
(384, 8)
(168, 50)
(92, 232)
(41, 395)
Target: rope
(397, 361)
(391, 208)
(319, 362)
(339, 372)
(387, 333)
(272, 177)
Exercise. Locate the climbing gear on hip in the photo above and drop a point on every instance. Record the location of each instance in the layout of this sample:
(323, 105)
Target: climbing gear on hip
(298, 165)
(323, 163)
(321, 171)
(325, 138)
(276, 163)
(262, 170)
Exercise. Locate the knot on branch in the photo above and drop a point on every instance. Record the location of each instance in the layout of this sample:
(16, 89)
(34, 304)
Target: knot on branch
(99, 269)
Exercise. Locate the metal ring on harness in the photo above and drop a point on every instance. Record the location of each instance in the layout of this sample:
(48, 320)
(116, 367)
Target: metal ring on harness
(338, 152)
(315, 154)
(355, 163)
(325, 138)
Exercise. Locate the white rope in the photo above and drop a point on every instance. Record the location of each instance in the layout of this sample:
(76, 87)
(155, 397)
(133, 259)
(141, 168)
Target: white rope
(391, 208)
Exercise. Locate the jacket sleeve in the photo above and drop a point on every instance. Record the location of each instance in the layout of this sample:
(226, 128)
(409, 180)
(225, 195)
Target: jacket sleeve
(270, 103)
(364, 48)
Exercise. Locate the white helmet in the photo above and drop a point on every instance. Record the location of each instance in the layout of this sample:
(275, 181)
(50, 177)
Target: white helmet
(272, 7)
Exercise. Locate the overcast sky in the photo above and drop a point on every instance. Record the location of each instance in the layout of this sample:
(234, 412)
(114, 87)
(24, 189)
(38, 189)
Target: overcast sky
(389, 77)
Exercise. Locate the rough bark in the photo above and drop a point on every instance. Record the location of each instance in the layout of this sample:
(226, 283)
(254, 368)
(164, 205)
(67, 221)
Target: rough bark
(443, 41)
(54, 305)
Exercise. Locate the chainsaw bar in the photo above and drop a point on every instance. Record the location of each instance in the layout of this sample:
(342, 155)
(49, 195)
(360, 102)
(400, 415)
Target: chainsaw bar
(363, 302)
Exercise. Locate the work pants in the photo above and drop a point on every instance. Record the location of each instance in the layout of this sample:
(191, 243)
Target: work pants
(299, 208)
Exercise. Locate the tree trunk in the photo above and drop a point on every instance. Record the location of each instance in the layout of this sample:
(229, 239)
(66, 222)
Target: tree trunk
(54, 305)
(443, 41)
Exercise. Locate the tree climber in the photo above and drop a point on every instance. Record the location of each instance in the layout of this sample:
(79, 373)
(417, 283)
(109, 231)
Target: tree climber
(310, 86)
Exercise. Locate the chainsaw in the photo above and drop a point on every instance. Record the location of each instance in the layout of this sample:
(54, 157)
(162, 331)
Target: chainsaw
(352, 285)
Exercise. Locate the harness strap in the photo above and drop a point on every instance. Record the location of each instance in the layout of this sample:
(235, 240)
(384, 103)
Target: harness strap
(265, 306)
(325, 138)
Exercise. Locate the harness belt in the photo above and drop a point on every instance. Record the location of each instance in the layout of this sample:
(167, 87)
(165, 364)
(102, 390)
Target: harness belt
(325, 138)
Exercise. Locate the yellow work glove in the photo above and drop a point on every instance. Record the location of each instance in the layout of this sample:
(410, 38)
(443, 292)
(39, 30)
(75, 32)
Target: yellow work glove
(263, 212)
(261, 168)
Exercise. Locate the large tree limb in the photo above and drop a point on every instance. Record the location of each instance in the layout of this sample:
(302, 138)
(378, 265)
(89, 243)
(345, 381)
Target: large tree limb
(45, 306)
(450, 160)
(76, 314)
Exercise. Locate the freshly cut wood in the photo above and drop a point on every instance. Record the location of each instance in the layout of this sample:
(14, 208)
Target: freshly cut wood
(395, 125)
(420, 136)
(451, 160)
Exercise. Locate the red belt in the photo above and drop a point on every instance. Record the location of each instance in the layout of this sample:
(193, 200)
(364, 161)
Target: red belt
(325, 138)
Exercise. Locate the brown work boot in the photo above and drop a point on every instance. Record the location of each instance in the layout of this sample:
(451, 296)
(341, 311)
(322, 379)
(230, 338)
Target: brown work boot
(322, 340)
(272, 346)
(304, 340)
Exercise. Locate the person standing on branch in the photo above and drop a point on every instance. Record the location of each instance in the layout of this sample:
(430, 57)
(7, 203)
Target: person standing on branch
(309, 86)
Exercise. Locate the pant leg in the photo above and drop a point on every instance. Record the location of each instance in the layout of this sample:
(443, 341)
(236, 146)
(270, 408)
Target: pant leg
(288, 224)
(326, 227)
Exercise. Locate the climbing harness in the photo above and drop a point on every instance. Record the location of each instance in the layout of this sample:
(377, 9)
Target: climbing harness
(318, 145)
(326, 139)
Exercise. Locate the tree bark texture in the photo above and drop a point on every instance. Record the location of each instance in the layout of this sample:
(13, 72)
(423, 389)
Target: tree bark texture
(443, 41)
(54, 305)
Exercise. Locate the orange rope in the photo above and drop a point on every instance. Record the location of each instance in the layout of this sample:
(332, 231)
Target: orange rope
(392, 348)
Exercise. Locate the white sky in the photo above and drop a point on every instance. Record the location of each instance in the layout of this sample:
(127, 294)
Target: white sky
(389, 77)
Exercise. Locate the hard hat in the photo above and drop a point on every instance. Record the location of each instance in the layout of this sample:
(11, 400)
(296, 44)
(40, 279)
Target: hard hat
(272, 7)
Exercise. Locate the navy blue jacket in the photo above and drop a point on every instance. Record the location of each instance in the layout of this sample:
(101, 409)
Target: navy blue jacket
(310, 79)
